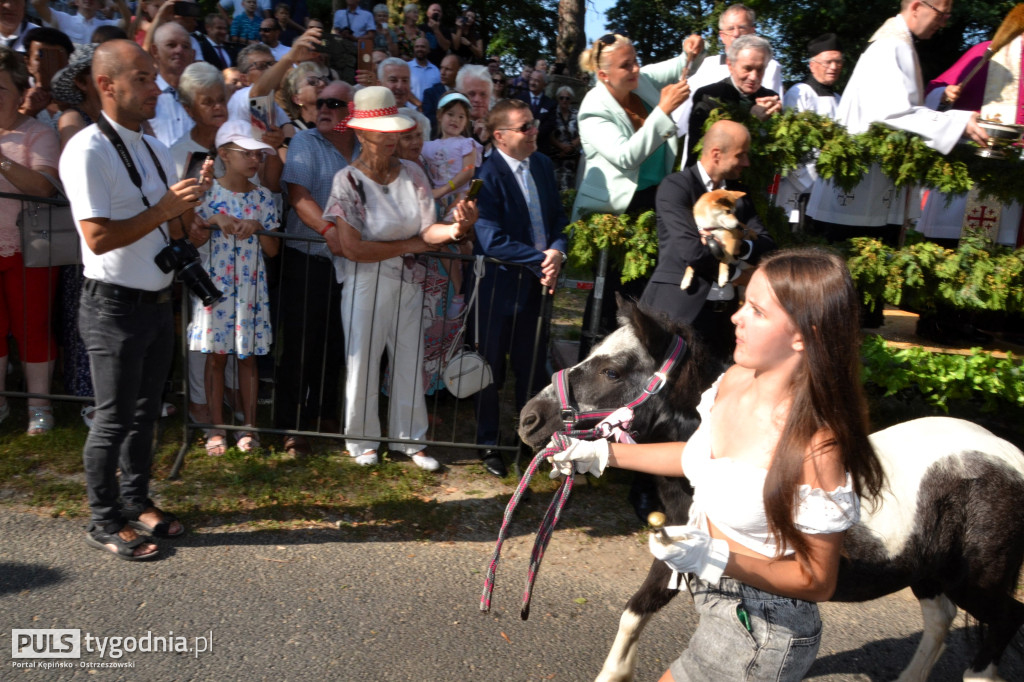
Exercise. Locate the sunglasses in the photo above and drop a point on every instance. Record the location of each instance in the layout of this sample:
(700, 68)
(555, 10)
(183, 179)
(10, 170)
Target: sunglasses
(259, 66)
(498, 81)
(267, 30)
(316, 80)
(606, 39)
(527, 127)
(564, 99)
(330, 103)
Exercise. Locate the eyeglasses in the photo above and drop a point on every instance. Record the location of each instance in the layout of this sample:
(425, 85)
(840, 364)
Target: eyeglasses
(526, 128)
(247, 153)
(330, 103)
(267, 29)
(316, 80)
(830, 62)
(940, 13)
(259, 66)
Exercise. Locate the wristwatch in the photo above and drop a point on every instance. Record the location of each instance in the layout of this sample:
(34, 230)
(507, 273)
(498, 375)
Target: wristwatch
(5, 164)
(564, 256)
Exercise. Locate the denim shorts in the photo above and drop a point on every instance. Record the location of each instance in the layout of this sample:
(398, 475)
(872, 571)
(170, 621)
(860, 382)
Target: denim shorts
(747, 634)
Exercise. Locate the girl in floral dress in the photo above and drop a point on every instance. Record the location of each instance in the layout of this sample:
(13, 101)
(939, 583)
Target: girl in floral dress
(239, 322)
(453, 158)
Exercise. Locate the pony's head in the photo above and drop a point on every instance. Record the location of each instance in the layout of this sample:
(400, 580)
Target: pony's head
(618, 370)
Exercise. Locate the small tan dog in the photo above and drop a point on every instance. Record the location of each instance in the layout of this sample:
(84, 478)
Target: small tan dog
(713, 214)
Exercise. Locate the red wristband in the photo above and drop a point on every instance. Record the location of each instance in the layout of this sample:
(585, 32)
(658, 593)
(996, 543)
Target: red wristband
(325, 229)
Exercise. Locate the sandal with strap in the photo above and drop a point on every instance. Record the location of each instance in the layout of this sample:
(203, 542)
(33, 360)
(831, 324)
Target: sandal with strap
(247, 442)
(216, 445)
(123, 549)
(160, 530)
(40, 419)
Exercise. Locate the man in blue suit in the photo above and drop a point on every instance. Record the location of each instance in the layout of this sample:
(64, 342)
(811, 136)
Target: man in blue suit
(521, 221)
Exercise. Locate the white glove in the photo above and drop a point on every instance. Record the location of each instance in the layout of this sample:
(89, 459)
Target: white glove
(587, 456)
(691, 551)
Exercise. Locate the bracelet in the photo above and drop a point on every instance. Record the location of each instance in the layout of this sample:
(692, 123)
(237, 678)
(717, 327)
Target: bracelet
(451, 184)
(327, 227)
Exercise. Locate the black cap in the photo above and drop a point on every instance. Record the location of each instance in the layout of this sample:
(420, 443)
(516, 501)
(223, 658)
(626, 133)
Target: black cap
(826, 42)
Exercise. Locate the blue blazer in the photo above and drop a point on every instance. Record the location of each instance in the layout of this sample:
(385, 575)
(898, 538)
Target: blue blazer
(503, 228)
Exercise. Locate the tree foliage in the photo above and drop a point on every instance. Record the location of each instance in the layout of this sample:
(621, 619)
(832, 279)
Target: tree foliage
(657, 27)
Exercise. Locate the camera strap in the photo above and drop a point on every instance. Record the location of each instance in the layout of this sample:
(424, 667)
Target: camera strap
(129, 164)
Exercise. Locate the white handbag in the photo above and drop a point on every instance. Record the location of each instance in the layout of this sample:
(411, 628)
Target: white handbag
(465, 370)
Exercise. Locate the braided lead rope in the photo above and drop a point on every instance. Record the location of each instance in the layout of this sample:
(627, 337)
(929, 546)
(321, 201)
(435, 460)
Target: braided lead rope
(561, 442)
(547, 528)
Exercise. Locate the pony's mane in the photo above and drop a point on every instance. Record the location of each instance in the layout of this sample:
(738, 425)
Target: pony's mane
(690, 377)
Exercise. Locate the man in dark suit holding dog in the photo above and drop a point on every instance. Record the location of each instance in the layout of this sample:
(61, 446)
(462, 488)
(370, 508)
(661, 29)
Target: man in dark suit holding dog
(521, 221)
(703, 304)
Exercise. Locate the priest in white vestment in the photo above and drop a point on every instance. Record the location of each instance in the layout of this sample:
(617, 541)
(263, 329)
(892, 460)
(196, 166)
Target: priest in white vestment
(996, 92)
(886, 87)
(813, 93)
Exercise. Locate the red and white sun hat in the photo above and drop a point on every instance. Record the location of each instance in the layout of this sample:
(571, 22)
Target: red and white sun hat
(374, 109)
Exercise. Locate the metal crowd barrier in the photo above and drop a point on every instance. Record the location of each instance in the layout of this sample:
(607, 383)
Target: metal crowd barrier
(452, 422)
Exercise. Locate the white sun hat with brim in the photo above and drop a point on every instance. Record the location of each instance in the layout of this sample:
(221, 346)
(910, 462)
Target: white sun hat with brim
(374, 109)
(239, 133)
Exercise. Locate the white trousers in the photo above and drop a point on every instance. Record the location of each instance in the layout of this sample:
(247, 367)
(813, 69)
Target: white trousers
(378, 314)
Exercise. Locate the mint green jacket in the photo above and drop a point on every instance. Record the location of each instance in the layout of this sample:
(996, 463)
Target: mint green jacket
(614, 152)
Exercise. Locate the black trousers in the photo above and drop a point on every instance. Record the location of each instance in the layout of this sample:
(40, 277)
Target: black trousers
(130, 346)
(312, 342)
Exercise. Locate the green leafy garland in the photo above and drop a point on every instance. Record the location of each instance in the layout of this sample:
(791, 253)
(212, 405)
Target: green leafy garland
(978, 275)
(942, 377)
(783, 143)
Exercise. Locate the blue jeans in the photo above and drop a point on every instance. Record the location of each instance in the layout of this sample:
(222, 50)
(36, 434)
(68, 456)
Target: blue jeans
(747, 634)
(130, 347)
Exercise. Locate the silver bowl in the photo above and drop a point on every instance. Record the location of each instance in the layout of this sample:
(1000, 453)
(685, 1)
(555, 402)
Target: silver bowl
(1001, 138)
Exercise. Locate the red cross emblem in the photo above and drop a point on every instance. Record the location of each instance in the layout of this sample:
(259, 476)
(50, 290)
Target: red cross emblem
(982, 217)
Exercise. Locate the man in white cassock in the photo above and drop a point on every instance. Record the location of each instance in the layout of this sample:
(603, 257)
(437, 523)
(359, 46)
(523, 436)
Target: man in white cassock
(737, 20)
(813, 93)
(886, 87)
(996, 92)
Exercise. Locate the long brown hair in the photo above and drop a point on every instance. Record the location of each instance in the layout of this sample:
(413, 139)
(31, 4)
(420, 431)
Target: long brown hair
(814, 288)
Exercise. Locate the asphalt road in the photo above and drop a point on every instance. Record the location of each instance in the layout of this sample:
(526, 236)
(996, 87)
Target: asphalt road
(317, 605)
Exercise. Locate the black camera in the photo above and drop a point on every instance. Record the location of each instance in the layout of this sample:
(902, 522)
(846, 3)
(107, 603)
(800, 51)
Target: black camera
(182, 258)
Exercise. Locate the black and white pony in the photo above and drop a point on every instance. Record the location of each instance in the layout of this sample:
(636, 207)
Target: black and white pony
(949, 524)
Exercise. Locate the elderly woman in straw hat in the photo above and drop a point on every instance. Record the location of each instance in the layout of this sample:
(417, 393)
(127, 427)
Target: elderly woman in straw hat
(380, 210)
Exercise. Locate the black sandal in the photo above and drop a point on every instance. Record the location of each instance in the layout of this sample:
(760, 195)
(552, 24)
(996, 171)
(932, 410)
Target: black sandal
(160, 530)
(125, 549)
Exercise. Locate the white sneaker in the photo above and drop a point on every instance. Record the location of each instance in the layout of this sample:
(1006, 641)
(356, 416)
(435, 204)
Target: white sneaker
(425, 462)
(367, 459)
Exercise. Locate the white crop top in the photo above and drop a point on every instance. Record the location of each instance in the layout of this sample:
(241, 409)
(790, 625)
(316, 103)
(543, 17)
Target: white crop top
(731, 494)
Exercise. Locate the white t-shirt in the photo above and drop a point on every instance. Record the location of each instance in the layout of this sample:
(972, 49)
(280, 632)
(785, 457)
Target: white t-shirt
(99, 186)
(76, 26)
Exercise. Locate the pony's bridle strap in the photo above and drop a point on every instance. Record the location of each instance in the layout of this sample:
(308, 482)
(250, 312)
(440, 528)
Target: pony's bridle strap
(570, 412)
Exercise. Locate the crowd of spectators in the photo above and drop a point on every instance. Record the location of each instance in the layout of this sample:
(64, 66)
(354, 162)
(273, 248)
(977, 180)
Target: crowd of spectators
(625, 137)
